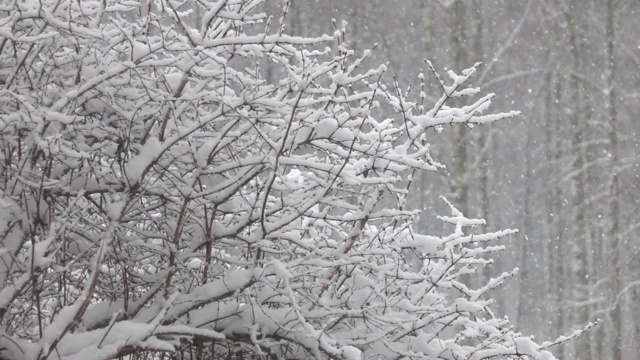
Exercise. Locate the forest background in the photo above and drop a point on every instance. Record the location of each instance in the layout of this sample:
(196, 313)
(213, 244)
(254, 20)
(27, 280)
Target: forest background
(566, 172)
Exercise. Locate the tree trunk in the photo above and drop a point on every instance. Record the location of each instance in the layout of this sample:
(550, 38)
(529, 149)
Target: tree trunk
(614, 192)
(459, 137)
(578, 123)
(556, 248)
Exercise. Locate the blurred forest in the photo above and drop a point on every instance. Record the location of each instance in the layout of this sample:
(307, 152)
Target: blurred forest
(566, 172)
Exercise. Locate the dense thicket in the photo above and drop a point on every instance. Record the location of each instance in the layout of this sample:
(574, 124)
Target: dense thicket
(185, 178)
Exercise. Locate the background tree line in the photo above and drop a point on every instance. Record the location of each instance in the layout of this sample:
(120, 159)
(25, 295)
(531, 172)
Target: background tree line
(566, 172)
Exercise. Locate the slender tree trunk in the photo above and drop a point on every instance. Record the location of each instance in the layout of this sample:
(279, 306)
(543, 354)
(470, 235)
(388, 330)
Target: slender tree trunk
(459, 137)
(294, 22)
(614, 192)
(578, 123)
(636, 325)
(524, 298)
(427, 34)
(556, 250)
(484, 134)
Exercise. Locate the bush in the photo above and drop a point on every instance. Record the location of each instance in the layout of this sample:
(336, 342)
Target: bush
(160, 195)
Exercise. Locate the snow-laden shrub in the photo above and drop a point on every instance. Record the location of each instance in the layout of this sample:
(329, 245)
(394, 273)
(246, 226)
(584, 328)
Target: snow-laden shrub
(160, 194)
